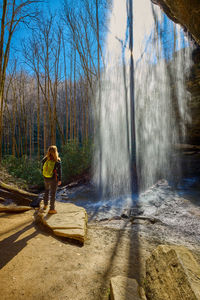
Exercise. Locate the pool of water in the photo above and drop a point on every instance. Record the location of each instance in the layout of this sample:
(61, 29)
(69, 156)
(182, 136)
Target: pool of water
(86, 196)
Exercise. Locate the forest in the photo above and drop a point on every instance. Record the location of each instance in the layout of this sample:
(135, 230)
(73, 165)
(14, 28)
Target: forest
(48, 83)
(115, 85)
(52, 57)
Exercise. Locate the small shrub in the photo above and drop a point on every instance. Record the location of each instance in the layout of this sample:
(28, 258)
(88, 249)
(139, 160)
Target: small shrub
(24, 168)
(76, 159)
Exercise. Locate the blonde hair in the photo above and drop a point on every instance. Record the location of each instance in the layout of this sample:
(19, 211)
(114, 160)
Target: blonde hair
(52, 152)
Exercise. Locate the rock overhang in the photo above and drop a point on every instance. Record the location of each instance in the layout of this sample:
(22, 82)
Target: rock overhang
(184, 12)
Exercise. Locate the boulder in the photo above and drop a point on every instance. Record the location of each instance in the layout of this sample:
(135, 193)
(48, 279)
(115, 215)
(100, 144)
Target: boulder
(172, 273)
(124, 288)
(70, 221)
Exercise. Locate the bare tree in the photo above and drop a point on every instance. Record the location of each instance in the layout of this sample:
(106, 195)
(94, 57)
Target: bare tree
(13, 13)
(49, 106)
(43, 56)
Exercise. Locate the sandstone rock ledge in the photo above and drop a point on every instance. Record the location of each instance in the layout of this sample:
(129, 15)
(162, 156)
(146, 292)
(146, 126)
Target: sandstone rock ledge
(70, 221)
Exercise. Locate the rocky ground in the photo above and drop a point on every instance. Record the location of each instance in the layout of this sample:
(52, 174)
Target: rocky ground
(37, 265)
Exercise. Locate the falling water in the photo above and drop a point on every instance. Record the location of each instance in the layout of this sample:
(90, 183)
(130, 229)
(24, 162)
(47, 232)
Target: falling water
(112, 169)
(160, 93)
(157, 104)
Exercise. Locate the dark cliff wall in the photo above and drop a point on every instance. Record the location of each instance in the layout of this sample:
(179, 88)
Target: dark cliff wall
(193, 85)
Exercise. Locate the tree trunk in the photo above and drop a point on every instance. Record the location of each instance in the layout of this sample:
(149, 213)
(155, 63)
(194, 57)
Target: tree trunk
(30, 137)
(38, 117)
(71, 116)
(74, 115)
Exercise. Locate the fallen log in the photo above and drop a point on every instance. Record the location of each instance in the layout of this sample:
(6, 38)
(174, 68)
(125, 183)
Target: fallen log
(152, 220)
(14, 208)
(2, 199)
(18, 196)
(7, 196)
(16, 190)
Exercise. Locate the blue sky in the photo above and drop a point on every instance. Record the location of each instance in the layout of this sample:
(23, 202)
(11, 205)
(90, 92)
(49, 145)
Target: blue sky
(22, 32)
(54, 7)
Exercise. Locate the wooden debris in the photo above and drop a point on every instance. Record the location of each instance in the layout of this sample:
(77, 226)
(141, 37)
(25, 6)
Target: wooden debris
(146, 218)
(13, 208)
(20, 197)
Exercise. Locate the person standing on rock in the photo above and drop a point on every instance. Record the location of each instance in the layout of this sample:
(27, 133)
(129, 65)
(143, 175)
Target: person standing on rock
(51, 170)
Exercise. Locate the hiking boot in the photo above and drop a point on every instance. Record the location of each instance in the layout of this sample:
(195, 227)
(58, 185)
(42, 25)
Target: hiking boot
(52, 211)
(45, 207)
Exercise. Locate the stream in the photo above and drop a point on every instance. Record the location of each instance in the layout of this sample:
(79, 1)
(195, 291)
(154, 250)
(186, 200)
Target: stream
(175, 212)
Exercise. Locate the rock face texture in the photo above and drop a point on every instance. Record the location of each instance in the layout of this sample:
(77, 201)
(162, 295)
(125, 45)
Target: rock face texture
(70, 221)
(172, 273)
(185, 13)
(123, 288)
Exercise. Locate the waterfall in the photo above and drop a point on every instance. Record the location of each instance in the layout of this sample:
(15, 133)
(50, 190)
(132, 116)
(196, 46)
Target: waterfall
(160, 97)
(112, 157)
(162, 59)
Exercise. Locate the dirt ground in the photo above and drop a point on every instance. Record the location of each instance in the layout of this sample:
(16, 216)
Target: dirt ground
(37, 265)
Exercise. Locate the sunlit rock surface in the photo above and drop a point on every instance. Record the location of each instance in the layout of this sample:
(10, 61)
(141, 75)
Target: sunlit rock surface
(172, 273)
(70, 221)
(185, 13)
(122, 288)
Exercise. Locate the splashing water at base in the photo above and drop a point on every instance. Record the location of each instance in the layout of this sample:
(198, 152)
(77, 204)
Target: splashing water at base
(160, 100)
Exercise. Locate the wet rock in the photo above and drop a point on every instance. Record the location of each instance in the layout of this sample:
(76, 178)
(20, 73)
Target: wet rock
(193, 86)
(136, 211)
(125, 288)
(70, 221)
(126, 213)
(103, 220)
(172, 273)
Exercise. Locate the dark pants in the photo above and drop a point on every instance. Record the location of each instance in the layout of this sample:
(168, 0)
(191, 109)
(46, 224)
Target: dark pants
(50, 186)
